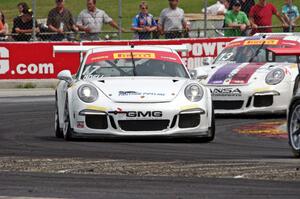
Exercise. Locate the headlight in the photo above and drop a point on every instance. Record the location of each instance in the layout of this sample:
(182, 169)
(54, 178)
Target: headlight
(275, 76)
(88, 93)
(193, 92)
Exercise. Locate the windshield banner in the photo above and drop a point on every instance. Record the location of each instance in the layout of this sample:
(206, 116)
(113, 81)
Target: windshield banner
(113, 55)
(37, 60)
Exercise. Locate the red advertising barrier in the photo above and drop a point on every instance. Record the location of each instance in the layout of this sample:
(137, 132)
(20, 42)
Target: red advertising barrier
(37, 60)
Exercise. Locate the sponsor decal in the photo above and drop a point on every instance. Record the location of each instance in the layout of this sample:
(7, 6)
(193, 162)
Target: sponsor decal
(137, 114)
(86, 77)
(129, 93)
(136, 55)
(134, 93)
(260, 42)
(97, 108)
(226, 92)
(233, 44)
(99, 58)
(223, 73)
(260, 90)
(80, 124)
(244, 74)
(188, 107)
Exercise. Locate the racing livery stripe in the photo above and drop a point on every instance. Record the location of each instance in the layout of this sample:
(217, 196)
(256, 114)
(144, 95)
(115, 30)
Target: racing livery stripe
(223, 73)
(244, 75)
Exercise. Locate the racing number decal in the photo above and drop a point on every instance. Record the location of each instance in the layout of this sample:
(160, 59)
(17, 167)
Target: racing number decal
(4, 61)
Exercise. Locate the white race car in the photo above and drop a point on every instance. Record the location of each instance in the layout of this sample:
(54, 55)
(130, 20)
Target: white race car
(246, 79)
(132, 91)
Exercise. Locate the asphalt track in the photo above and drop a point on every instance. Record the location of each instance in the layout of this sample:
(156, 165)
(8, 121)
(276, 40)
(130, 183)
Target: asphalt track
(35, 164)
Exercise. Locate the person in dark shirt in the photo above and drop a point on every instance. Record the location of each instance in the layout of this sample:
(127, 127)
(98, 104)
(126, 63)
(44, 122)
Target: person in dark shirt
(247, 5)
(22, 7)
(23, 26)
(60, 21)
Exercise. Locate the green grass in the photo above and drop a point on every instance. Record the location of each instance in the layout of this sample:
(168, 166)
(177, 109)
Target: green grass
(130, 8)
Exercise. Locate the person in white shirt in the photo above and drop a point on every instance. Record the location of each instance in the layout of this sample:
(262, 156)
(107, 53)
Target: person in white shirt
(218, 8)
(172, 22)
(91, 21)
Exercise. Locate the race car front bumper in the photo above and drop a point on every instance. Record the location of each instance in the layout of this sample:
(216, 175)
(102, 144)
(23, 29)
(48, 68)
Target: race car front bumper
(248, 99)
(136, 120)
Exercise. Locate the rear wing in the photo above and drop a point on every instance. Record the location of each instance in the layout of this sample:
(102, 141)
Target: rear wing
(83, 49)
(285, 51)
(273, 52)
(276, 34)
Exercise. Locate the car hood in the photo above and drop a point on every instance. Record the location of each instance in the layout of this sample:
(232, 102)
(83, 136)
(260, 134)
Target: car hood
(239, 73)
(140, 89)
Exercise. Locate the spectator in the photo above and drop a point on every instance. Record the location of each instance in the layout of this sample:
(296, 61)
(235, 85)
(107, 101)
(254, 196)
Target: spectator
(237, 20)
(144, 23)
(21, 7)
(60, 21)
(172, 22)
(218, 8)
(91, 21)
(261, 15)
(246, 5)
(290, 14)
(3, 27)
(23, 25)
(226, 4)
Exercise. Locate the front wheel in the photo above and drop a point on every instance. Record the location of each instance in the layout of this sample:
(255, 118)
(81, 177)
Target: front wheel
(294, 128)
(58, 130)
(212, 129)
(67, 130)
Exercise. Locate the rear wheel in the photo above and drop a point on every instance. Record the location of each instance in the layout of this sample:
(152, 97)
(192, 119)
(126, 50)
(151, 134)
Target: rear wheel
(294, 128)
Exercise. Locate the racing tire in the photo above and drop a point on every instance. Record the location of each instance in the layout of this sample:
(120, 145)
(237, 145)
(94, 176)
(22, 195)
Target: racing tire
(291, 133)
(58, 131)
(297, 86)
(67, 130)
(212, 129)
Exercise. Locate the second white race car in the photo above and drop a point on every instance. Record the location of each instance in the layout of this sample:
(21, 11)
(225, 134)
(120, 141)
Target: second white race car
(245, 78)
(132, 91)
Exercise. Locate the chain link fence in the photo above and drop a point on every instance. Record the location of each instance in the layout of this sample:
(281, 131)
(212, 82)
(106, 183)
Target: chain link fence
(39, 21)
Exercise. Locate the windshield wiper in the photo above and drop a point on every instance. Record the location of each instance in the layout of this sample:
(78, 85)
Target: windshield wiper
(116, 67)
(133, 63)
(259, 48)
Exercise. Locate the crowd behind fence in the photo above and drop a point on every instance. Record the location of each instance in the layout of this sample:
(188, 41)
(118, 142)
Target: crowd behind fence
(224, 18)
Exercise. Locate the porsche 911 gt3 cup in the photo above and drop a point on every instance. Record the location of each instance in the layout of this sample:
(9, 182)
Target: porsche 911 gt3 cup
(245, 79)
(132, 91)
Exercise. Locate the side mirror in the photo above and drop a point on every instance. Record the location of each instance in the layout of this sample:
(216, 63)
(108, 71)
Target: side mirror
(199, 73)
(65, 75)
(193, 74)
(208, 61)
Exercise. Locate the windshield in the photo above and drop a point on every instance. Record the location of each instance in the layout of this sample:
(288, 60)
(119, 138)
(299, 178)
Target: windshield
(241, 54)
(120, 64)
